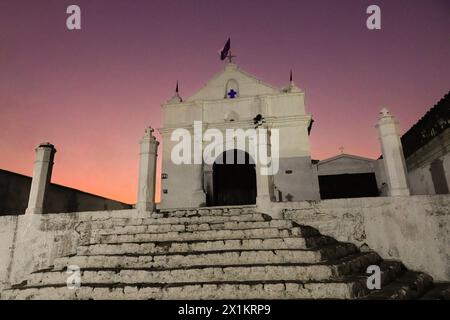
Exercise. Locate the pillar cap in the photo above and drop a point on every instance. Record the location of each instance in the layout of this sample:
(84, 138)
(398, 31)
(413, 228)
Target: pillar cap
(149, 132)
(385, 113)
(46, 145)
(148, 136)
(386, 117)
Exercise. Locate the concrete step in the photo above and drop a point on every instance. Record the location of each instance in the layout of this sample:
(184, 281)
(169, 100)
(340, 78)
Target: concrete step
(180, 246)
(270, 232)
(224, 290)
(218, 258)
(353, 264)
(191, 227)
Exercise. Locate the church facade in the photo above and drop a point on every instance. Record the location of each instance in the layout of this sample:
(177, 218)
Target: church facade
(234, 99)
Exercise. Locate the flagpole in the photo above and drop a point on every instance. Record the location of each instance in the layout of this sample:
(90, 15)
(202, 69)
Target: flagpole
(226, 52)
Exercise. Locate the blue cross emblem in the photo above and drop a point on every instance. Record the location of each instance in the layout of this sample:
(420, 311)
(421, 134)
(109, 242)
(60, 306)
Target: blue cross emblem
(232, 94)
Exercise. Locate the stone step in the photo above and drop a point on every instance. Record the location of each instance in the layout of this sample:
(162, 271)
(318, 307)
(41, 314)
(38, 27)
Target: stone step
(439, 291)
(353, 264)
(271, 232)
(411, 285)
(158, 247)
(346, 288)
(390, 270)
(224, 211)
(228, 225)
(51, 221)
(141, 221)
(218, 258)
(224, 290)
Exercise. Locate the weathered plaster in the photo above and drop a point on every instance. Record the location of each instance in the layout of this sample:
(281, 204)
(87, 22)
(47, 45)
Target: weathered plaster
(413, 229)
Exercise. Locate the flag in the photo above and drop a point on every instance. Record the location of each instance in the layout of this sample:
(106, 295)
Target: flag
(225, 50)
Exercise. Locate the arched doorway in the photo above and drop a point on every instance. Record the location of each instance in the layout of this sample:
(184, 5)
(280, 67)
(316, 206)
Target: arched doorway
(234, 181)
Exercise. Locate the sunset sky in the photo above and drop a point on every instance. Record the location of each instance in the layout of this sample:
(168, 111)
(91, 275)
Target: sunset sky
(92, 92)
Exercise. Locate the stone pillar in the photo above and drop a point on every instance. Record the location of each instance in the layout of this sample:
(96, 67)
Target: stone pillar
(198, 197)
(393, 158)
(208, 183)
(264, 182)
(42, 173)
(147, 172)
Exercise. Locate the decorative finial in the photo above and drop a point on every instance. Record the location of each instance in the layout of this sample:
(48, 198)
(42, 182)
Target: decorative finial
(149, 130)
(341, 149)
(291, 87)
(176, 97)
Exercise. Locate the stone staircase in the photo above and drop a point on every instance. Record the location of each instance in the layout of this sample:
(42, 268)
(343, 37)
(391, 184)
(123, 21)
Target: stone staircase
(218, 253)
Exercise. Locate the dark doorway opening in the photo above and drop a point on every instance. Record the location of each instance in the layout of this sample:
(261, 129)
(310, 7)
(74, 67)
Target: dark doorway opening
(354, 185)
(234, 182)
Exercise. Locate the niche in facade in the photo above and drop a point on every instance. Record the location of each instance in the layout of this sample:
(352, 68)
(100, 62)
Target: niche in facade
(232, 89)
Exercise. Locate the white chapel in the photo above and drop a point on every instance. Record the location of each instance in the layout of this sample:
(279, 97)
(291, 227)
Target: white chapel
(235, 99)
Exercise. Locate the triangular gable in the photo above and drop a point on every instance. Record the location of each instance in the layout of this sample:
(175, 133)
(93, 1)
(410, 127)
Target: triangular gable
(215, 88)
(345, 157)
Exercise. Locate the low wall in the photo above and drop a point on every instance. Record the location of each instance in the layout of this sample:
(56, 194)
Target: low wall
(31, 242)
(15, 190)
(413, 229)
(8, 229)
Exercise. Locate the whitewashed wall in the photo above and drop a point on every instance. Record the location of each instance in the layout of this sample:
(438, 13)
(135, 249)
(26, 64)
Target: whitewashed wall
(413, 229)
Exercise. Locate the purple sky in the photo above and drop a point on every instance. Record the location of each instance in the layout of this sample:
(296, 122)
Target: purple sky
(93, 92)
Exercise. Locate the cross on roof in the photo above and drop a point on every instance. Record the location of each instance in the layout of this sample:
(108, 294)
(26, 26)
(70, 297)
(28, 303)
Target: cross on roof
(341, 148)
(230, 57)
(232, 94)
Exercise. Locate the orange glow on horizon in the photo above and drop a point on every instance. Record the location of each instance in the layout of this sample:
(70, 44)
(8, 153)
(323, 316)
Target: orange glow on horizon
(92, 92)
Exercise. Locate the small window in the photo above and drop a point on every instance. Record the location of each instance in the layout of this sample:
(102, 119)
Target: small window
(288, 171)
